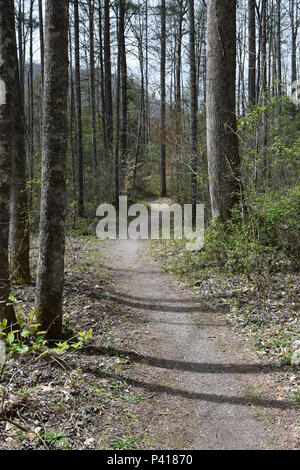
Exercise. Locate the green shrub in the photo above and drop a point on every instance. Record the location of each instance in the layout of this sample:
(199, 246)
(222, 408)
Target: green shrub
(262, 238)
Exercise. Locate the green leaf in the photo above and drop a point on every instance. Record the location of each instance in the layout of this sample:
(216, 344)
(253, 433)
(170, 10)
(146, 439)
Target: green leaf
(10, 337)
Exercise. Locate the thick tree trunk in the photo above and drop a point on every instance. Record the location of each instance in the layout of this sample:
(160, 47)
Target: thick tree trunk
(222, 142)
(8, 78)
(163, 183)
(50, 278)
(78, 114)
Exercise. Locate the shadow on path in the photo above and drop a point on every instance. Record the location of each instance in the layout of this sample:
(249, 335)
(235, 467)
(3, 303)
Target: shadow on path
(210, 368)
(213, 398)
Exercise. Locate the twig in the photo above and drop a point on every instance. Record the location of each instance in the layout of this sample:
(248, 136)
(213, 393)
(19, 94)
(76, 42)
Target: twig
(4, 418)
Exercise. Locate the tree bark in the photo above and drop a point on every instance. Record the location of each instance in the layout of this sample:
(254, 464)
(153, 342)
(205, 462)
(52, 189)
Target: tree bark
(178, 63)
(41, 22)
(278, 50)
(294, 8)
(222, 142)
(19, 216)
(92, 87)
(251, 52)
(107, 71)
(193, 107)
(50, 277)
(31, 100)
(21, 48)
(71, 125)
(78, 114)
(124, 100)
(8, 77)
(163, 183)
(263, 138)
(117, 131)
(102, 85)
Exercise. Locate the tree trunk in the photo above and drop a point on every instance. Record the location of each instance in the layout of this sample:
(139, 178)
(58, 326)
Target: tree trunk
(278, 49)
(178, 64)
(147, 104)
(263, 139)
(8, 78)
(117, 132)
(92, 87)
(107, 71)
(124, 101)
(251, 52)
(41, 22)
(71, 125)
(102, 85)
(193, 107)
(163, 183)
(21, 47)
(19, 217)
(78, 113)
(31, 100)
(294, 26)
(50, 277)
(222, 142)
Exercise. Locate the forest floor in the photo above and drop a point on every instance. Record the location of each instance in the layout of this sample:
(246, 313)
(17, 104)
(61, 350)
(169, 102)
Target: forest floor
(163, 369)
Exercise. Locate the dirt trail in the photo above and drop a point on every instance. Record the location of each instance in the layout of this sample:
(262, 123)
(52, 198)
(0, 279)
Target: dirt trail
(207, 362)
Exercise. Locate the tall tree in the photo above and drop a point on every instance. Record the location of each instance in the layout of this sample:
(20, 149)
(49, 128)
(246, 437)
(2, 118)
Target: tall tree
(147, 110)
(8, 75)
(31, 98)
(102, 83)
(41, 29)
(178, 72)
(222, 142)
(124, 98)
(117, 131)
(77, 86)
(107, 77)
(193, 104)
(294, 19)
(91, 4)
(50, 277)
(278, 50)
(21, 47)
(163, 182)
(19, 217)
(263, 138)
(251, 52)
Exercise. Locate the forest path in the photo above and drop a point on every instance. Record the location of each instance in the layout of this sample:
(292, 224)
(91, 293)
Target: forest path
(207, 363)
